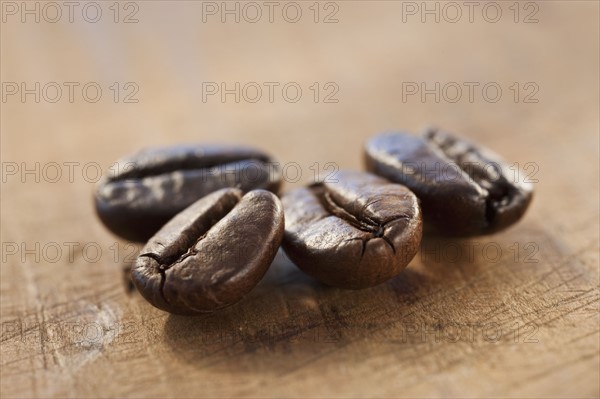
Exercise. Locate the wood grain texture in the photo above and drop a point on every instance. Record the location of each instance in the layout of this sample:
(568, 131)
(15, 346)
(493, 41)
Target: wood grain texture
(473, 318)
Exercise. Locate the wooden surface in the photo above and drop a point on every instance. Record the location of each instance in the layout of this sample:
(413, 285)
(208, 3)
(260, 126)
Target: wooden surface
(455, 323)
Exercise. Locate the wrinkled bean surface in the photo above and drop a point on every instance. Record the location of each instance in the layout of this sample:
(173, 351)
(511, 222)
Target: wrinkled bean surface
(211, 254)
(145, 190)
(354, 233)
(464, 189)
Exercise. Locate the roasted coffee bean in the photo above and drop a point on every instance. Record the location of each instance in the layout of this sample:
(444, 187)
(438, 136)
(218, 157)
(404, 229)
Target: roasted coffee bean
(355, 233)
(464, 189)
(211, 254)
(148, 188)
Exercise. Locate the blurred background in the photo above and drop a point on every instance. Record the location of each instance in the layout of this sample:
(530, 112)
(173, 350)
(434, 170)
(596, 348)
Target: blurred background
(85, 83)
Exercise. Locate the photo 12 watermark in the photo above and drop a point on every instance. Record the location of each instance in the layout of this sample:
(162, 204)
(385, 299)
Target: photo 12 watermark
(470, 92)
(270, 92)
(53, 12)
(453, 332)
(525, 12)
(69, 92)
(252, 12)
(470, 251)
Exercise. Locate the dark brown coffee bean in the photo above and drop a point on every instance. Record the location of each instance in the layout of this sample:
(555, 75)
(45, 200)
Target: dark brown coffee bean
(464, 189)
(148, 188)
(356, 233)
(212, 254)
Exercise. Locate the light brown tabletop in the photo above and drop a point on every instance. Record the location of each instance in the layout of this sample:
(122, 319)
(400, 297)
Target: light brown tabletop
(513, 314)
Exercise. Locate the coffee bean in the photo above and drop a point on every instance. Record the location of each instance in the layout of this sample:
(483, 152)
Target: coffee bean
(464, 189)
(356, 233)
(148, 188)
(211, 254)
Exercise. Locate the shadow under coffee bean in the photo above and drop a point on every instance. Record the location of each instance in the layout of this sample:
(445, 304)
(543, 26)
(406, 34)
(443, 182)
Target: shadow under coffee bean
(356, 233)
(212, 254)
(464, 189)
(153, 185)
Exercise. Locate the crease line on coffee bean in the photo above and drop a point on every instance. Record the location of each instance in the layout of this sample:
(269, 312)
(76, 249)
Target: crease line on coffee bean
(369, 225)
(161, 270)
(482, 179)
